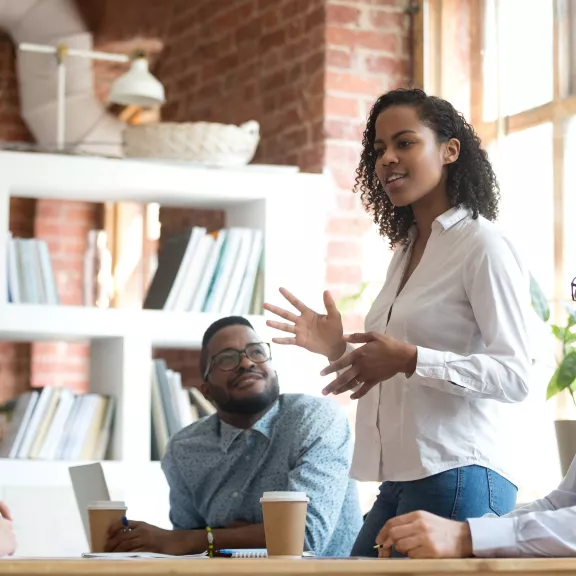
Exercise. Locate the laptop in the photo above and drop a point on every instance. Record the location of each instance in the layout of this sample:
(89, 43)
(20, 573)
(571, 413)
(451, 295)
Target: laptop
(89, 485)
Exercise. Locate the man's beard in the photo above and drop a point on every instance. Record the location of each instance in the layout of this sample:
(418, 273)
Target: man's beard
(247, 406)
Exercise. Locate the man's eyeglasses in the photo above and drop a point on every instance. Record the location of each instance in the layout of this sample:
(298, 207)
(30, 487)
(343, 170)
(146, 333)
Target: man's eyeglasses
(230, 358)
(574, 289)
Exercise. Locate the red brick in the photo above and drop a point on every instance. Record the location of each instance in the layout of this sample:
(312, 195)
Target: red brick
(269, 20)
(388, 20)
(337, 274)
(344, 129)
(343, 154)
(385, 65)
(312, 159)
(314, 63)
(342, 15)
(350, 250)
(347, 202)
(272, 40)
(338, 58)
(316, 18)
(274, 81)
(353, 83)
(373, 40)
(344, 179)
(295, 139)
(341, 106)
(355, 226)
(379, 3)
(247, 31)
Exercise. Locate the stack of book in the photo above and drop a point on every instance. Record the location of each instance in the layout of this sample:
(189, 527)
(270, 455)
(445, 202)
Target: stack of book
(30, 275)
(216, 273)
(57, 424)
(173, 407)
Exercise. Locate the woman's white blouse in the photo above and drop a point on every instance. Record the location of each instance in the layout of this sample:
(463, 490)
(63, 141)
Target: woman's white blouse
(464, 307)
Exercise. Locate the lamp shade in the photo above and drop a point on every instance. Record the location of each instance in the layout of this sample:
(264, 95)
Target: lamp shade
(137, 87)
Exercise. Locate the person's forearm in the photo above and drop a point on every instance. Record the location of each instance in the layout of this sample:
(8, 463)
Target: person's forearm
(196, 541)
(251, 536)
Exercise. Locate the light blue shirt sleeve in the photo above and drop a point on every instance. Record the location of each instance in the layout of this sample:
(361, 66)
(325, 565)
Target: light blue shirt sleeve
(183, 514)
(321, 471)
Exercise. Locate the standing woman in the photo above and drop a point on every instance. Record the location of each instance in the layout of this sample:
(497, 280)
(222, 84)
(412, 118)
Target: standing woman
(446, 344)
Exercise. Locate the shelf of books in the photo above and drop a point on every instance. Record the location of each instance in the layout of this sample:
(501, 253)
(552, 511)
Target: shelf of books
(273, 236)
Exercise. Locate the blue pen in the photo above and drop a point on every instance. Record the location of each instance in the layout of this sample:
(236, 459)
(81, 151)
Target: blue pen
(125, 524)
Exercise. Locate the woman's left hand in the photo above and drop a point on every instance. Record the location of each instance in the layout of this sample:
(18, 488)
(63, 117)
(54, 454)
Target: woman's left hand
(380, 358)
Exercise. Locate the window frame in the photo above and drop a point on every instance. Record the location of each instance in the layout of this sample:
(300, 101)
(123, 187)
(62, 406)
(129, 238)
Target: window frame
(431, 50)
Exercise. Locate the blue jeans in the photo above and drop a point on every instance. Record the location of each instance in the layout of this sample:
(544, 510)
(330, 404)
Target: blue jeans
(467, 492)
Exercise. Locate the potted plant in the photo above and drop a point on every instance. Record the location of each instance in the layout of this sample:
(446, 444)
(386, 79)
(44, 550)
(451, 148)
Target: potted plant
(564, 378)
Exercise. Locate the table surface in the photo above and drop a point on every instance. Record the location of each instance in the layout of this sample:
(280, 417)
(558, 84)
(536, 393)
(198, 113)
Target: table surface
(276, 567)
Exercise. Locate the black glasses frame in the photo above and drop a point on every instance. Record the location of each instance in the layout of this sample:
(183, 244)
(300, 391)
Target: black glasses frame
(240, 354)
(573, 286)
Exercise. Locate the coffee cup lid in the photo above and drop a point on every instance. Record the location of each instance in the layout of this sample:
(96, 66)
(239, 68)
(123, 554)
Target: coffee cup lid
(107, 505)
(284, 497)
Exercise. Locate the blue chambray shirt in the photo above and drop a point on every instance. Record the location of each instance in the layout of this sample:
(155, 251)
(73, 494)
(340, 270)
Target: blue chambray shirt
(217, 473)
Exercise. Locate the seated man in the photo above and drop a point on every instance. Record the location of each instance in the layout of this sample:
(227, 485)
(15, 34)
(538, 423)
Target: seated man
(7, 538)
(258, 440)
(546, 527)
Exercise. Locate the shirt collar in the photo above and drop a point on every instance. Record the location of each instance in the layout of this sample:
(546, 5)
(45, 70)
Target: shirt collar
(453, 216)
(229, 433)
(446, 221)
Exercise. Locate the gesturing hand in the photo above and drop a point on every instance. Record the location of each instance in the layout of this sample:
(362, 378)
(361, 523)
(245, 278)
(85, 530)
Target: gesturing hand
(319, 333)
(424, 535)
(380, 358)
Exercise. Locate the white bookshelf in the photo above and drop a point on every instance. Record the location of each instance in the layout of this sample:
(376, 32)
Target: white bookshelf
(288, 206)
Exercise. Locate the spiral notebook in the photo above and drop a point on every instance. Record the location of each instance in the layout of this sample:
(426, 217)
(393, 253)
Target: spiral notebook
(252, 553)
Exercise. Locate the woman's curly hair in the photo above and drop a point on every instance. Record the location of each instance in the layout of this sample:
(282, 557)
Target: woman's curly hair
(470, 180)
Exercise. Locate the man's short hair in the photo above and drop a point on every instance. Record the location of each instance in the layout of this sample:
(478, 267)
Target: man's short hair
(212, 330)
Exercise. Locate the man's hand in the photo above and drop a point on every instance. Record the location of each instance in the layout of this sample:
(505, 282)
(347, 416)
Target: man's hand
(143, 537)
(7, 538)
(424, 535)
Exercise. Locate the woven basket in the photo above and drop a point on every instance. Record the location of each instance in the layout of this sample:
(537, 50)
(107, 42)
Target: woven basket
(205, 142)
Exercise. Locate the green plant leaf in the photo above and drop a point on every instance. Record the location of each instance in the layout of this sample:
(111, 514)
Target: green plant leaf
(553, 389)
(539, 300)
(346, 303)
(567, 370)
(559, 332)
(569, 337)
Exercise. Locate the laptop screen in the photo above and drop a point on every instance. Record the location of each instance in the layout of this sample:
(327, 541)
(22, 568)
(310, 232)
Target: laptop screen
(89, 485)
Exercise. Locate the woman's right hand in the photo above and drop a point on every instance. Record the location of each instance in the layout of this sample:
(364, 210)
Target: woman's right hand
(319, 333)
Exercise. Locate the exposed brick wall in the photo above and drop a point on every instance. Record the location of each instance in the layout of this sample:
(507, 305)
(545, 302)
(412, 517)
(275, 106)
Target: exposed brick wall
(366, 55)
(307, 70)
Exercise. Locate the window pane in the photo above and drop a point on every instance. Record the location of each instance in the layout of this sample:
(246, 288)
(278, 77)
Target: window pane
(525, 55)
(524, 164)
